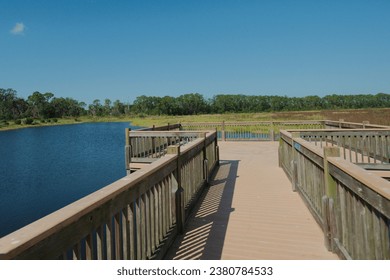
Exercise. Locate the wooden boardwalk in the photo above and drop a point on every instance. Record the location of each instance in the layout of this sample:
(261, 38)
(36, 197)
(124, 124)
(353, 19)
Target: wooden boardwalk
(250, 212)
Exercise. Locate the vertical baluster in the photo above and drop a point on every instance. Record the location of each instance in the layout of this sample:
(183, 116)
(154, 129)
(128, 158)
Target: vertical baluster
(109, 240)
(356, 148)
(167, 203)
(137, 228)
(387, 145)
(160, 214)
(382, 148)
(152, 220)
(377, 235)
(170, 192)
(118, 241)
(350, 148)
(342, 224)
(124, 217)
(164, 208)
(100, 244)
(369, 148)
(76, 251)
(344, 148)
(148, 232)
(156, 217)
(89, 247)
(142, 228)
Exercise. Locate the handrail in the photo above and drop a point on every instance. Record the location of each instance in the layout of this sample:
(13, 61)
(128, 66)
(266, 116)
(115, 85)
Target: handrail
(358, 146)
(270, 130)
(168, 127)
(135, 217)
(147, 146)
(351, 204)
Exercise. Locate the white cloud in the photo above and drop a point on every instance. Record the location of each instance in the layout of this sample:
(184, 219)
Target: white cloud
(18, 28)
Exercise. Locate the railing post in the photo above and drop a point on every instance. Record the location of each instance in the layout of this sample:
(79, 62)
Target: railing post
(365, 123)
(179, 195)
(223, 131)
(280, 151)
(329, 223)
(205, 159)
(272, 132)
(216, 147)
(127, 150)
(294, 162)
(340, 123)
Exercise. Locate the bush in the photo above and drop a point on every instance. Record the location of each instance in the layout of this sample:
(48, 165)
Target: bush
(3, 123)
(27, 121)
(18, 121)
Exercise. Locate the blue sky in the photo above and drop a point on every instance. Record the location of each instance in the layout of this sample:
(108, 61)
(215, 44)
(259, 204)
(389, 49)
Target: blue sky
(88, 49)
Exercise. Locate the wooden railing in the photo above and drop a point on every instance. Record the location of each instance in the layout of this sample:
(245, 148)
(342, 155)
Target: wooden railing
(168, 127)
(255, 130)
(351, 204)
(368, 146)
(351, 125)
(269, 130)
(136, 217)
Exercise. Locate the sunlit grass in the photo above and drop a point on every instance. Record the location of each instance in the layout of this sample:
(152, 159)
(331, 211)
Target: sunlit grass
(374, 116)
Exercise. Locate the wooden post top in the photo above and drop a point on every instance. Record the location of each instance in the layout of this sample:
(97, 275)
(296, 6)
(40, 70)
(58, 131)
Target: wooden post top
(173, 149)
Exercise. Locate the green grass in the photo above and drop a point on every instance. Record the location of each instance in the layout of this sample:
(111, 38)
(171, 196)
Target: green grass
(374, 116)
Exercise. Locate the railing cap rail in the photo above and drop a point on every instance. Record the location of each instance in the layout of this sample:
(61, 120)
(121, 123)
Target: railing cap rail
(369, 179)
(14, 243)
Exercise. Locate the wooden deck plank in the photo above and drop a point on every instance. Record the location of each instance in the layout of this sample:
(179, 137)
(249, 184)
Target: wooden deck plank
(250, 212)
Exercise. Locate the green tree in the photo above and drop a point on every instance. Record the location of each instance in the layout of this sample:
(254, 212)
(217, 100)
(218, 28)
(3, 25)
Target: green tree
(96, 108)
(192, 104)
(7, 99)
(118, 108)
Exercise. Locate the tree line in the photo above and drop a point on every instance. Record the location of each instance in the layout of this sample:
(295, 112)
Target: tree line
(46, 106)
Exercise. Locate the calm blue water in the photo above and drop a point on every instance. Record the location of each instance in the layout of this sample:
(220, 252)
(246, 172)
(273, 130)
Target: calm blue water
(45, 168)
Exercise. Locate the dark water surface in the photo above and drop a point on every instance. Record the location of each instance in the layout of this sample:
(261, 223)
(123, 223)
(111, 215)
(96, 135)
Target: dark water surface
(45, 168)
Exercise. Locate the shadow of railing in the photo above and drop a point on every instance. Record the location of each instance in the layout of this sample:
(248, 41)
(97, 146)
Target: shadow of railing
(207, 224)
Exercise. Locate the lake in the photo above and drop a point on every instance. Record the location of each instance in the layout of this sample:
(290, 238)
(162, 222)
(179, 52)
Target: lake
(42, 169)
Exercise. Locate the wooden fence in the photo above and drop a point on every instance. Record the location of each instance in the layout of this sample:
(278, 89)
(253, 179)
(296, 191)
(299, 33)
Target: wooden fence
(136, 217)
(143, 147)
(268, 130)
(256, 130)
(368, 146)
(351, 204)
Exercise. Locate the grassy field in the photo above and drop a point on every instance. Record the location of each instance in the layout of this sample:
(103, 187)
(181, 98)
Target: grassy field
(374, 116)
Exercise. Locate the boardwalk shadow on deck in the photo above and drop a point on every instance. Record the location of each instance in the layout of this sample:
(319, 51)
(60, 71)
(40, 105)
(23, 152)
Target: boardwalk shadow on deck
(207, 224)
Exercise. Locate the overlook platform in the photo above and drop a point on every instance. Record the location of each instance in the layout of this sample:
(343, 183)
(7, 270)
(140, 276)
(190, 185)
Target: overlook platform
(230, 191)
(250, 212)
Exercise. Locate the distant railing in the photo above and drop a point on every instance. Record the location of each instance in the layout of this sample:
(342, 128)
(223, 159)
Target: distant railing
(268, 130)
(168, 127)
(136, 217)
(255, 130)
(147, 146)
(351, 125)
(350, 203)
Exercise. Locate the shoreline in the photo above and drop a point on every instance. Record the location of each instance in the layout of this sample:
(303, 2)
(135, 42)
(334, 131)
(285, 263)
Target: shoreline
(63, 121)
